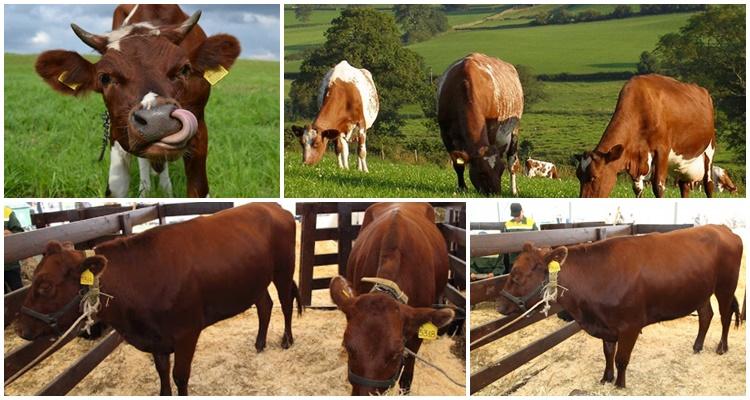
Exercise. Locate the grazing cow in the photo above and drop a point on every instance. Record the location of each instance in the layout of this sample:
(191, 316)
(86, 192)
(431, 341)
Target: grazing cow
(400, 247)
(540, 168)
(170, 282)
(722, 179)
(348, 105)
(480, 103)
(154, 75)
(614, 288)
(660, 125)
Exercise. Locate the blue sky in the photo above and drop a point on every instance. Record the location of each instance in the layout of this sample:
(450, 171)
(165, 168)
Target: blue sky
(31, 29)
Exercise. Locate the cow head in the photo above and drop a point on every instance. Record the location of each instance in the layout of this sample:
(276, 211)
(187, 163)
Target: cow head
(597, 171)
(153, 88)
(486, 170)
(313, 142)
(377, 326)
(528, 275)
(55, 285)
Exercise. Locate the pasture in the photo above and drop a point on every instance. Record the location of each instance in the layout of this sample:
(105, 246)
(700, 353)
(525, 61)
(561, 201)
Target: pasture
(52, 141)
(569, 121)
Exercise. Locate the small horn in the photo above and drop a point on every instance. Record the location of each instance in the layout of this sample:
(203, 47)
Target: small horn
(188, 25)
(389, 284)
(96, 42)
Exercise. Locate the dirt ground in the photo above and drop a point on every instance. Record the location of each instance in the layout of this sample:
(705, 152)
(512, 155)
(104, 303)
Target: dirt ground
(662, 362)
(226, 362)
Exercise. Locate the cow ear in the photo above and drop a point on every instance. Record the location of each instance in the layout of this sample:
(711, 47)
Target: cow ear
(614, 153)
(53, 247)
(330, 134)
(341, 293)
(298, 130)
(217, 50)
(95, 264)
(559, 254)
(527, 247)
(66, 71)
(416, 317)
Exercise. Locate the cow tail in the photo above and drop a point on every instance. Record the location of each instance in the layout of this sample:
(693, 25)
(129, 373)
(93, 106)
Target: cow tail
(736, 311)
(295, 293)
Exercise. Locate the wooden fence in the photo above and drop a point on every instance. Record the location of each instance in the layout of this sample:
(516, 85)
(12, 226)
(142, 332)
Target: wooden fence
(489, 290)
(89, 226)
(454, 231)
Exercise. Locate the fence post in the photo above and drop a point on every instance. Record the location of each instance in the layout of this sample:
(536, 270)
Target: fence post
(307, 252)
(345, 237)
(125, 224)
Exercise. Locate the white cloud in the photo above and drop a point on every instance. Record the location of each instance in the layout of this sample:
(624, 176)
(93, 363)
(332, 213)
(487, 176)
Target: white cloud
(41, 38)
(265, 55)
(260, 19)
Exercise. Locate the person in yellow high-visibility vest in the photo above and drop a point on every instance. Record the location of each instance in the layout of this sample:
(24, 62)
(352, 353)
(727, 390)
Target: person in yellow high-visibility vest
(517, 223)
(12, 270)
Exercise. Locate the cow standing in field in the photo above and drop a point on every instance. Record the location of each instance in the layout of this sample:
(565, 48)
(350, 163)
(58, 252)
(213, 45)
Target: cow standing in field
(348, 103)
(722, 179)
(541, 168)
(660, 126)
(480, 104)
(615, 288)
(170, 282)
(397, 269)
(154, 75)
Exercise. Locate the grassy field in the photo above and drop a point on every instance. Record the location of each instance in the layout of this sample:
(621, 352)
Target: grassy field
(52, 141)
(570, 121)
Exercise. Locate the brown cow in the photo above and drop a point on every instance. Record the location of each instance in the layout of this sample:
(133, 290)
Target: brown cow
(480, 103)
(349, 104)
(170, 282)
(618, 286)
(659, 124)
(400, 244)
(151, 75)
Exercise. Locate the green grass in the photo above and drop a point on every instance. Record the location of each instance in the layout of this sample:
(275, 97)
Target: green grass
(52, 141)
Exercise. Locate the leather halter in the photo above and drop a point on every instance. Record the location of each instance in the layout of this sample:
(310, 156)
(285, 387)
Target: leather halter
(51, 319)
(520, 302)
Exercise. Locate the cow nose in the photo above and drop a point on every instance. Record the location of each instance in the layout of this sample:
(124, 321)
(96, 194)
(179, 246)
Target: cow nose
(156, 122)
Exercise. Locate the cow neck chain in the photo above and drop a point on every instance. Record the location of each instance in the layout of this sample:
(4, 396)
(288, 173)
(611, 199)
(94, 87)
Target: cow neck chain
(105, 133)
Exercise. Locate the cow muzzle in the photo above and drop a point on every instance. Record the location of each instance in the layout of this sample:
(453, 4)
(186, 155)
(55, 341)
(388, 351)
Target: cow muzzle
(165, 126)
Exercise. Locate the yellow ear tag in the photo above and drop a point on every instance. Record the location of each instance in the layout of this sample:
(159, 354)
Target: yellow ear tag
(460, 161)
(213, 76)
(553, 266)
(428, 331)
(61, 79)
(87, 278)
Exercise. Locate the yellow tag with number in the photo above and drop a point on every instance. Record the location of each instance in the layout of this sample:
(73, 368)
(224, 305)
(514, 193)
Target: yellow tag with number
(428, 331)
(213, 76)
(87, 278)
(553, 266)
(61, 79)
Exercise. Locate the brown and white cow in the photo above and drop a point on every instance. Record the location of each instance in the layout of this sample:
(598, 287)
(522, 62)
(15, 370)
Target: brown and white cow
(660, 126)
(348, 105)
(480, 104)
(722, 180)
(615, 288)
(540, 168)
(168, 283)
(399, 246)
(151, 76)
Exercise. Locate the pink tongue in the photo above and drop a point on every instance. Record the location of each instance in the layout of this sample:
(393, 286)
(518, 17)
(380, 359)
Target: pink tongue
(188, 130)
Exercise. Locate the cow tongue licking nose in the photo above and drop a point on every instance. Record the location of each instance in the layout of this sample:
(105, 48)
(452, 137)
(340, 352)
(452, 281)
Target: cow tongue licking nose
(165, 124)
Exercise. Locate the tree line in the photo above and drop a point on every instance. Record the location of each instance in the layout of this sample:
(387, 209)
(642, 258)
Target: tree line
(561, 15)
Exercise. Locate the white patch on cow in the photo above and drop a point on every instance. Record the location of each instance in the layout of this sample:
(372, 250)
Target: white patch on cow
(165, 183)
(585, 162)
(491, 160)
(362, 80)
(539, 168)
(144, 169)
(114, 37)
(119, 171)
(496, 87)
(149, 100)
(692, 169)
(638, 181)
(130, 15)
(344, 155)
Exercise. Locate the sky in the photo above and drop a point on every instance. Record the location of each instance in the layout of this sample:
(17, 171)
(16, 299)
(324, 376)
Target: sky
(31, 29)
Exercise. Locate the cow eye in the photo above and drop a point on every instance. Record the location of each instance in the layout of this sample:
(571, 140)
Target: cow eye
(44, 289)
(185, 70)
(105, 79)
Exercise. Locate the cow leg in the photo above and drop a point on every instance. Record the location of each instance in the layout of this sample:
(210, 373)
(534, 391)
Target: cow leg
(339, 148)
(264, 305)
(195, 164)
(659, 175)
(609, 358)
(119, 172)
(344, 151)
(725, 310)
(459, 168)
(285, 291)
(622, 358)
(165, 183)
(638, 187)
(705, 313)
(144, 171)
(161, 361)
(408, 372)
(708, 184)
(513, 186)
(684, 189)
(362, 151)
(183, 357)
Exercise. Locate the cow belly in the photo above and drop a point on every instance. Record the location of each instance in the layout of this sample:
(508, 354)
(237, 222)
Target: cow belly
(690, 169)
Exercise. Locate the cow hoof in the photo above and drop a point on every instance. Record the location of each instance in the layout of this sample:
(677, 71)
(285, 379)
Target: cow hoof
(287, 342)
(607, 379)
(697, 349)
(721, 349)
(259, 347)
